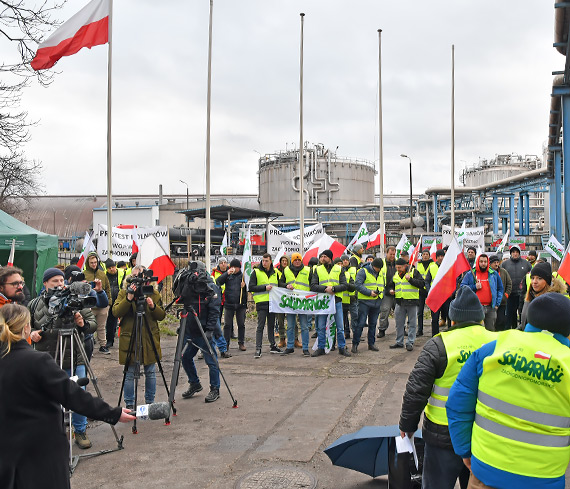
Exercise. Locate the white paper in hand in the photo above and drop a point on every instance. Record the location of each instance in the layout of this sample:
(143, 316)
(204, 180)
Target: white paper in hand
(407, 445)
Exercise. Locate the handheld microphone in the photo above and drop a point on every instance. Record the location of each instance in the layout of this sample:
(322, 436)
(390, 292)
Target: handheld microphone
(156, 410)
(81, 382)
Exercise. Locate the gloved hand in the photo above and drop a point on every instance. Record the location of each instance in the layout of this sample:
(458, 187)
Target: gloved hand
(209, 335)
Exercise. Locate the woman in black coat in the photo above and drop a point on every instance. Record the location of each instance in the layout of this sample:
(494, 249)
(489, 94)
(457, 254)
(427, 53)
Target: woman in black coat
(34, 451)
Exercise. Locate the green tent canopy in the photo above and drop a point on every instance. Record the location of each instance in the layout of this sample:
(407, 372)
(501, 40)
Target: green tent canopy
(35, 251)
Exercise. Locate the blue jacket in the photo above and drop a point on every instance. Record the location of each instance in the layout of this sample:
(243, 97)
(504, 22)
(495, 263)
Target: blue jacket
(360, 287)
(495, 283)
(460, 409)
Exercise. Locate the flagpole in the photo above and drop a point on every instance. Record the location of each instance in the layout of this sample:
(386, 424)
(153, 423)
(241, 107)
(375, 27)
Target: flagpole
(109, 92)
(452, 206)
(380, 149)
(208, 139)
(301, 164)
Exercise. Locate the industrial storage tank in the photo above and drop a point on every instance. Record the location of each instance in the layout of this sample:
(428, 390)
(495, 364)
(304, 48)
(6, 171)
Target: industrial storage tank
(498, 168)
(329, 181)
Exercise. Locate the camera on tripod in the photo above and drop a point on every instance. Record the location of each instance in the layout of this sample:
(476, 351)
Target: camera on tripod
(142, 282)
(66, 301)
(193, 282)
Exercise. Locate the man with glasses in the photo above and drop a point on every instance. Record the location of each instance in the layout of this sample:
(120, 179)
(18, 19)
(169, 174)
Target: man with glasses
(11, 286)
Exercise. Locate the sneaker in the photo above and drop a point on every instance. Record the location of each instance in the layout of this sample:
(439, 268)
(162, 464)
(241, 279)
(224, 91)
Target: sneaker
(213, 395)
(193, 389)
(105, 351)
(344, 352)
(409, 347)
(354, 348)
(242, 347)
(396, 345)
(226, 354)
(275, 349)
(82, 441)
(381, 334)
(373, 348)
(318, 352)
(257, 353)
(288, 351)
(306, 353)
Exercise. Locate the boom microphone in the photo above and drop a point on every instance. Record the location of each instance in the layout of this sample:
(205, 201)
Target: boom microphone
(80, 288)
(156, 410)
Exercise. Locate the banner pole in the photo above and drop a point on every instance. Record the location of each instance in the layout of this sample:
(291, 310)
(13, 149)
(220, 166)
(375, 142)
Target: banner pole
(109, 93)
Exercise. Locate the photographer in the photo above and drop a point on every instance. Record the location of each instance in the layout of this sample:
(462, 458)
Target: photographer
(125, 308)
(34, 451)
(196, 289)
(45, 336)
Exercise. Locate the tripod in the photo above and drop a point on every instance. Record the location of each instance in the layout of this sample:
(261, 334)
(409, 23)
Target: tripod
(135, 351)
(180, 346)
(65, 334)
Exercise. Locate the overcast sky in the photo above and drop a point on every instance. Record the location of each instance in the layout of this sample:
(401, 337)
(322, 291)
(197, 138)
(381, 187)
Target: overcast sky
(503, 57)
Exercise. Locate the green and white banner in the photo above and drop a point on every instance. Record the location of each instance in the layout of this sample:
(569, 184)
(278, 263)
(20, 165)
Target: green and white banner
(300, 302)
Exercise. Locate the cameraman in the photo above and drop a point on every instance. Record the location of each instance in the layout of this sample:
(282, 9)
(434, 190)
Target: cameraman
(125, 308)
(45, 336)
(199, 292)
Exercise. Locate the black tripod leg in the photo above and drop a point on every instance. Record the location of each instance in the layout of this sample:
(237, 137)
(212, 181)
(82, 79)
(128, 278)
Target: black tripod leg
(138, 355)
(177, 361)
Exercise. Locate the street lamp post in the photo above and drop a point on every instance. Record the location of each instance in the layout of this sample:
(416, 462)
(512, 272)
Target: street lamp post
(411, 207)
(187, 202)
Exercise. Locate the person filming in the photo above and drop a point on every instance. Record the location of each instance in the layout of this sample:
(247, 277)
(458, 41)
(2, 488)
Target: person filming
(34, 451)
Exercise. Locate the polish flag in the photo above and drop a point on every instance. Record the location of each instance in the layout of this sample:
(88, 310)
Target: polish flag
(454, 264)
(87, 28)
(324, 243)
(12, 252)
(433, 249)
(414, 255)
(564, 268)
(136, 241)
(375, 239)
(542, 355)
(153, 256)
(88, 247)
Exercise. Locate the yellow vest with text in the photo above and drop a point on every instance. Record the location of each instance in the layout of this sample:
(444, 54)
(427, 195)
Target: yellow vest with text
(218, 273)
(522, 419)
(263, 279)
(301, 281)
(459, 345)
(331, 278)
(404, 289)
(372, 283)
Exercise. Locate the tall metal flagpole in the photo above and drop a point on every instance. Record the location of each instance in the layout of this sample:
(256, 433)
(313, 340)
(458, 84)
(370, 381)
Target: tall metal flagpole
(109, 91)
(380, 149)
(453, 140)
(207, 225)
(301, 146)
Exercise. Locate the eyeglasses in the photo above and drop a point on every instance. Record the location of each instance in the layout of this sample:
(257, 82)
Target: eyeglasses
(16, 284)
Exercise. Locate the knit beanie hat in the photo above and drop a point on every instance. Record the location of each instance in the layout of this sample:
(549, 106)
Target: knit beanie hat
(357, 247)
(401, 261)
(52, 272)
(377, 263)
(550, 311)
(109, 262)
(296, 256)
(235, 263)
(328, 253)
(542, 270)
(68, 271)
(345, 257)
(466, 306)
(493, 259)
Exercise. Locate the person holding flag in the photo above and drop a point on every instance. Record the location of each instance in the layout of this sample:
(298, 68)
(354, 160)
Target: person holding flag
(430, 277)
(425, 266)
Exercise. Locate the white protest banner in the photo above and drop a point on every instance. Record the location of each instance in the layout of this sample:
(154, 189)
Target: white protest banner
(300, 302)
(122, 240)
(330, 334)
(471, 236)
(291, 241)
(555, 248)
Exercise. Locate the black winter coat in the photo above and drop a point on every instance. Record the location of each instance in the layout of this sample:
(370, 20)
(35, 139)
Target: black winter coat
(234, 290)
(431, 365)
(208, 311)
(34, 451)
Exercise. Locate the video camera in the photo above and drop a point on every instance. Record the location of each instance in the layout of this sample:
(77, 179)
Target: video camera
(63, 301)
(193, 283)
(143, 283)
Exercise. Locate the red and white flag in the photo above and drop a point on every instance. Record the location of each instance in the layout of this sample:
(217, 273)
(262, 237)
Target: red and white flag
(433, 249)
(87, 28)
(415, 255)
(542, 355)
(153, 256)
(136, 241)
(375, 239)
(12, 252)
(454, 264)
(88, 247)
(564, 269)
(324, 243)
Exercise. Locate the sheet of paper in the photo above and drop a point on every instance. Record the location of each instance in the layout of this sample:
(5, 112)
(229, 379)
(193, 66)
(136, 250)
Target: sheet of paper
(404, 445)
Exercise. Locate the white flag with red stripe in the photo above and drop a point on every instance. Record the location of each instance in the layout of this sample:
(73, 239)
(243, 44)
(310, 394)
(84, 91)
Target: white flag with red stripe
(88, 247)
(415, 255)
(153, 256)
(375, 239)
(12, 252)
(454, 264)
(87, 28)
(324, 243)
(433, 249)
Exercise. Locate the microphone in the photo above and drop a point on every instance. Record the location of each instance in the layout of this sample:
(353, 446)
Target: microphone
(156, 410)
(81, 382)
(80, 288)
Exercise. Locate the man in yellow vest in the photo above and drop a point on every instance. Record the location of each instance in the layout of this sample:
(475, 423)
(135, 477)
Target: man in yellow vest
(369, 284)
(428, 386)
(262, 280)
(328, 278)
(509, 408)
(349, 300)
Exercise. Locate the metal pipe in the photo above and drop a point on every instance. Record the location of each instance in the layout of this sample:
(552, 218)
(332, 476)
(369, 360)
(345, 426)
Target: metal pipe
(380, 149)
(301, 147)
(411, 206)
(452, 136)
(207, 224)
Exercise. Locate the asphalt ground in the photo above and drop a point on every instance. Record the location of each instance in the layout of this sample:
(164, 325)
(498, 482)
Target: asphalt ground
(290, 408)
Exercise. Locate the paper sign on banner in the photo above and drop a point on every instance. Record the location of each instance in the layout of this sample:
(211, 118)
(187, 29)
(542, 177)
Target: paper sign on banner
(300, 302)
(291, 241)
(471, 236)
(122, 240)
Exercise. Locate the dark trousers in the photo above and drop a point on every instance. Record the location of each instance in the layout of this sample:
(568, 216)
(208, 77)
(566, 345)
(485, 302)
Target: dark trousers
(442, 468)
(501, 323)
(263, 316)
(88, 343)
(239, 313)
(111, 327)
(421, 314)
(435, 322)
(512, 311)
